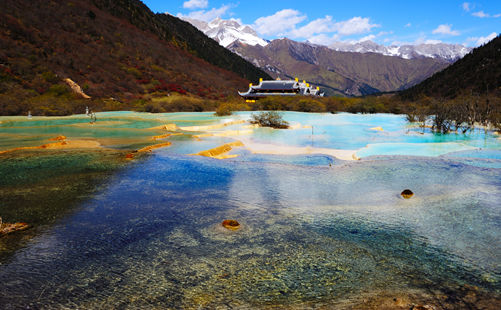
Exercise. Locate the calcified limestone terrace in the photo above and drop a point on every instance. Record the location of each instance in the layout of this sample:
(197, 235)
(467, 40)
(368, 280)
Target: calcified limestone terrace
(315, 231)
(221, 151)
(343, 136)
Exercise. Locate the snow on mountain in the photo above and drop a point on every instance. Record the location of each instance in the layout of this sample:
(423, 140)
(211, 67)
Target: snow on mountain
(228, 31)
(449, 52)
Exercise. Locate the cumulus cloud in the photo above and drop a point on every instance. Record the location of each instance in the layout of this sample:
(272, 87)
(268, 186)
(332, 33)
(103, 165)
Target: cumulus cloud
(466, 6)
(207, 16)
(432, 42)
(477, 41)
(445, 29)
(480, 14)
(195, 4)
(319, 31)
(280, 23)
(355, 25)
(319, 25)
(323, 39)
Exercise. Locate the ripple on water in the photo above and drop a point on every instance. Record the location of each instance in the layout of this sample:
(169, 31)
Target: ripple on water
(315, 231)
(310, 235)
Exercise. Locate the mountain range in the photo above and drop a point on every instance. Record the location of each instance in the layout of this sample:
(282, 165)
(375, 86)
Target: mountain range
(347, 69)
(447, 52)
(338, 73)
(228, 31)
(476, 74)
(116, 49)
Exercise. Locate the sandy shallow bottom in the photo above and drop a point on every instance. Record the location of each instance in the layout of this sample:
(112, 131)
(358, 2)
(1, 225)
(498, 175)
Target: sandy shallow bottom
(125, 218)
(310, 236)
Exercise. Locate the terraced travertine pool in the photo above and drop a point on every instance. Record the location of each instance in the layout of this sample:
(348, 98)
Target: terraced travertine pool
(322, 222)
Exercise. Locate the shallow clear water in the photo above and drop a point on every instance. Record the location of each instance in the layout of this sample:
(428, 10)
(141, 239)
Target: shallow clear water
(337, 131)
(315, 231)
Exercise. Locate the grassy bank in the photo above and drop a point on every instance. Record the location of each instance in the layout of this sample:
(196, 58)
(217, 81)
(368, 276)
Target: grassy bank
(460, 113)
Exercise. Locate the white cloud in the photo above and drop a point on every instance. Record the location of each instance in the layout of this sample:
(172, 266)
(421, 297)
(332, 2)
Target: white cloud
(319, 25)
(445, 29)
(466, 6)
(408, 25)
(279, 23)
(207, 16)
(195, 4)
(323, 39)
(355, 25)
(480, 14)
(432, 42)
(477, 41)
(496, 16)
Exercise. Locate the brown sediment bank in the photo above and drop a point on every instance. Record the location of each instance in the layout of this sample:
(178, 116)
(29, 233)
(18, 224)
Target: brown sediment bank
(220, 151)
(62, 144)
(210, 127)
(155, 146)
(166, 136)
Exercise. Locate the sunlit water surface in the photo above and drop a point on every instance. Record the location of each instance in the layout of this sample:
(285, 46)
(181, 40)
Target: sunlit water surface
(314, 230)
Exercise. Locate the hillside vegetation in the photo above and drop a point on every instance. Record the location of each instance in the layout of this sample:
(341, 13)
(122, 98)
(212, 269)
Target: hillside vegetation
(463, 95)
(113, 49)
(339, 73)
(479, 72)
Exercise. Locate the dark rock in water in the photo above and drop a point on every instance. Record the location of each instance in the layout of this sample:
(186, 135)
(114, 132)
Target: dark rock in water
(407, 193)
(231, 224)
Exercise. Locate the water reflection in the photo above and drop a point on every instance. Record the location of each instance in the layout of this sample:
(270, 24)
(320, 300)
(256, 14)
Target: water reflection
(315, 231)
(311, 235)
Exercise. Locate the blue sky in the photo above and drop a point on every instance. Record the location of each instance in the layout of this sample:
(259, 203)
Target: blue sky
(386, 22)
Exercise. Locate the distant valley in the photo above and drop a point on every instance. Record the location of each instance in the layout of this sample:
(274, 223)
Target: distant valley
(347, 69)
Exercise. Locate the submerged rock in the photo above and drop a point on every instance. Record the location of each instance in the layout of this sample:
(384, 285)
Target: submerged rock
(407, 193)
(7, 228)
(231, 224)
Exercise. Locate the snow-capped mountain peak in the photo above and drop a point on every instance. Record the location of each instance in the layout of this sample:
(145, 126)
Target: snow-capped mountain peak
(449, 52)
(228, 31)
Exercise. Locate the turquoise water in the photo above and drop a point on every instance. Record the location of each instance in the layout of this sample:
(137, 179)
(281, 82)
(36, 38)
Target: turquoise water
(315, 231)
(353, 132)
(335, 131)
